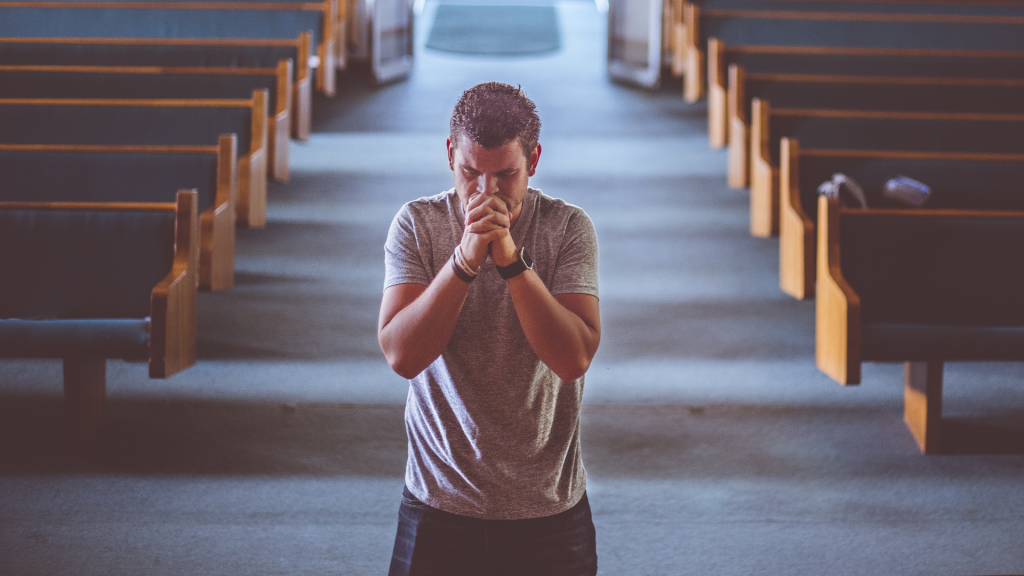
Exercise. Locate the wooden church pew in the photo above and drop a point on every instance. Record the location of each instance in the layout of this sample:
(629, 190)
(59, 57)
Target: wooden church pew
(134, 174)
(915, 29)
(198, 20)
(863, 130)
(106, 82)
(878, 93)
(152, 123)
(921, 287)
(87, 281)
(175, 53)
(839, 60)
(959, 180)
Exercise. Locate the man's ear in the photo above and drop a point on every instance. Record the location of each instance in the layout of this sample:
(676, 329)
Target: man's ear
(451, 154)
(534, 158)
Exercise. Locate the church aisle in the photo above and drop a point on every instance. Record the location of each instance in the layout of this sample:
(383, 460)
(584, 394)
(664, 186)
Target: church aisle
(712, 442)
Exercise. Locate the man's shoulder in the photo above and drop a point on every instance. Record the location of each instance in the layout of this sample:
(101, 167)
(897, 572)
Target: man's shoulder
(549, 206)
(440, 203)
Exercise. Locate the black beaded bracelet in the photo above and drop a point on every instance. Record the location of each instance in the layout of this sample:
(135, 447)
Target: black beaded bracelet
(458, 272)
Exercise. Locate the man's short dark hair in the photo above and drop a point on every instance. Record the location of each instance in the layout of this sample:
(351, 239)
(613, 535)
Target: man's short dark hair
(492, 114)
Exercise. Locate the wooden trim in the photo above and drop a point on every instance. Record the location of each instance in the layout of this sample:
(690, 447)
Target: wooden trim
(897, 80)
(927, 2)
(922, 403)
(737, 135)
(864, 51)
(172, 340)
(837, 306)
(303, 92)
(865, 17)
(914, 155)
(151, 103)
(262, 6)
(677, 38)
(935, 213)
(718, 95)
(764, 177)
(693, 84)
(108, 148)
(196, 70)
(887, 115)
(253, 174)
(280, 123)
(217, 223)
(92, 206)
(117, 41)
(796, 229)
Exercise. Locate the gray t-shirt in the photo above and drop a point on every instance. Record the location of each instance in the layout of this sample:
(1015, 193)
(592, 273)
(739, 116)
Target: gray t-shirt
(493, 432)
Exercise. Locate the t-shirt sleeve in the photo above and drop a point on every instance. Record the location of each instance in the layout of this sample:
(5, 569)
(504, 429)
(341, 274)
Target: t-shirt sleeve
(576, 266)
(403, 255)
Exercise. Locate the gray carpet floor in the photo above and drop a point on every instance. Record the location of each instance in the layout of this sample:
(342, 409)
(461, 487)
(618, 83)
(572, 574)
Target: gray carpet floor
(712, 443)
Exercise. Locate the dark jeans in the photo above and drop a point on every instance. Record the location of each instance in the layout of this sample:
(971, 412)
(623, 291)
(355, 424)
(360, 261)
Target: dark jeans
(432, 542)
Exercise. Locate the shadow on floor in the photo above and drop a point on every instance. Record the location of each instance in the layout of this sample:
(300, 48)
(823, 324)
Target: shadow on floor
(219, 438)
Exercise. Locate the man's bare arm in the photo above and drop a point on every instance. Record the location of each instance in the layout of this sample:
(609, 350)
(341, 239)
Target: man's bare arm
(417, 322)
(564, 330)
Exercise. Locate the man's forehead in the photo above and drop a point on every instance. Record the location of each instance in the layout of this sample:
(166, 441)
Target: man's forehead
(472, 154)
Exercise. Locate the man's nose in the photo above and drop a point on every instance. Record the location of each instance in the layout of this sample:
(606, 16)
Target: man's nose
(488, 184)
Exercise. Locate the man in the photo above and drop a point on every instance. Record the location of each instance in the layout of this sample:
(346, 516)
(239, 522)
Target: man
(490, 308)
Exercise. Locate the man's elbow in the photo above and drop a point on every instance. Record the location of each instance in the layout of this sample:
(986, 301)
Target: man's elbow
(574, 370)
(403, 366)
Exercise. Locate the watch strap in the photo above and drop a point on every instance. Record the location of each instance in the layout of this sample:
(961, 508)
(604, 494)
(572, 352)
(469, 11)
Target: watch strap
(516, 268)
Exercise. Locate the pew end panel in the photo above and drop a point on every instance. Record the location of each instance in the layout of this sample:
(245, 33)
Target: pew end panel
(693, 84)
(172, 342)
(302, 91)
(738, 130)
(280, 121)
(251, 208)
(678, 39)
(217, 223)
(718, 97)
(796, 229)
(764, 176)
(837, 306)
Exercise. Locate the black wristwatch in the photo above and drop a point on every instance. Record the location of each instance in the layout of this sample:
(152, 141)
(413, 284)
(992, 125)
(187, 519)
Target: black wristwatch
(516, 268)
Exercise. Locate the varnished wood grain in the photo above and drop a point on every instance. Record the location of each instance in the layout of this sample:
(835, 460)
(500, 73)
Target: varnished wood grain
(738, 135)
(764, 185)
(718, 94)
(889, 80)
(92, 206)
(172, 343)
(837, 306)
(889, 115)
(693, 82)
(217, 223)
(796, 229)
(263, 6)
(141, 149)
(913, 155)
(866, 17)
(866, 51)
(922, 403)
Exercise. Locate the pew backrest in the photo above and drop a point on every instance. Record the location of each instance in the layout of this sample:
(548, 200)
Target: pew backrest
(100, 280)
(917, 285)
